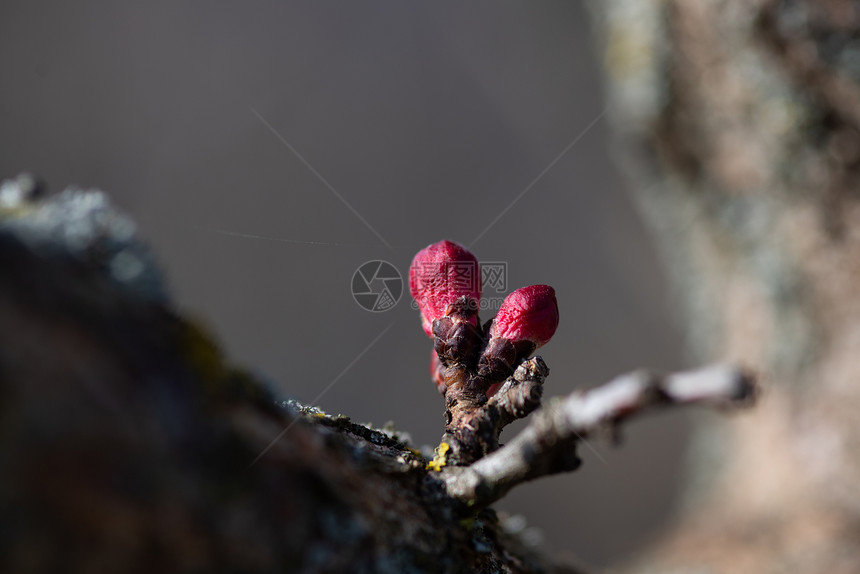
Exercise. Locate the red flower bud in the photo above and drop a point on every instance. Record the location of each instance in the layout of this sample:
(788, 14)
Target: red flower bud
(439, 276)
(527, 314)
(437, 372)
(494, 388)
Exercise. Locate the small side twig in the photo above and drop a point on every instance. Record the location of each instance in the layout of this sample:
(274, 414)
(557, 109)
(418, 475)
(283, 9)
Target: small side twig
(519, 395)
(548, 444)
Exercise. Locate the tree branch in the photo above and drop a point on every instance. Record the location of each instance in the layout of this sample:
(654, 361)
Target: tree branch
(548, 444)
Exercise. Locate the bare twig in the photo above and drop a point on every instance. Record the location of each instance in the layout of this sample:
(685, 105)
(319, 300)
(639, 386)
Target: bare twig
(548, 444)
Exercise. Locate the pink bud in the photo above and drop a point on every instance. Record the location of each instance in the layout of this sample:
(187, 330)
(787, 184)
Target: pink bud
(493, 389)
(437, 372)
(441, 274)
(527, 314)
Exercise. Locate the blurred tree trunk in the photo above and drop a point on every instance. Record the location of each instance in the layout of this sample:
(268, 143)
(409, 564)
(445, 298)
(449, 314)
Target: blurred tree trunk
(739, 123)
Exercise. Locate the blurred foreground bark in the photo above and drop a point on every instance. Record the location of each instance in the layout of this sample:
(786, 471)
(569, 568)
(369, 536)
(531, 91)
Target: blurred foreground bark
(739, 123)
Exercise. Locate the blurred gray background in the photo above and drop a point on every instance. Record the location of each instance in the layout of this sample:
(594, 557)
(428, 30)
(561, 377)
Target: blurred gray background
(429, 120)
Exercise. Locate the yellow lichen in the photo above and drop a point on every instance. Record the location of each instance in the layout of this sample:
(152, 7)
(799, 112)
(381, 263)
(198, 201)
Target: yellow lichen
(202, 354)
(467, 522)
(441, 458)
(15, 211)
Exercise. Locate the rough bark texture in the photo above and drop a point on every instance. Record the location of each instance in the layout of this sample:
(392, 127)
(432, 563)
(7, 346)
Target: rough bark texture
(740, 125)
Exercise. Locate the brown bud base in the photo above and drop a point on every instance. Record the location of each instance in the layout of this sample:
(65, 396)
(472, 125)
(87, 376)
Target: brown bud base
(474, 422)
(500, 356)
(468, 365)
(473, 361)
(456, 342)
(467, 431)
